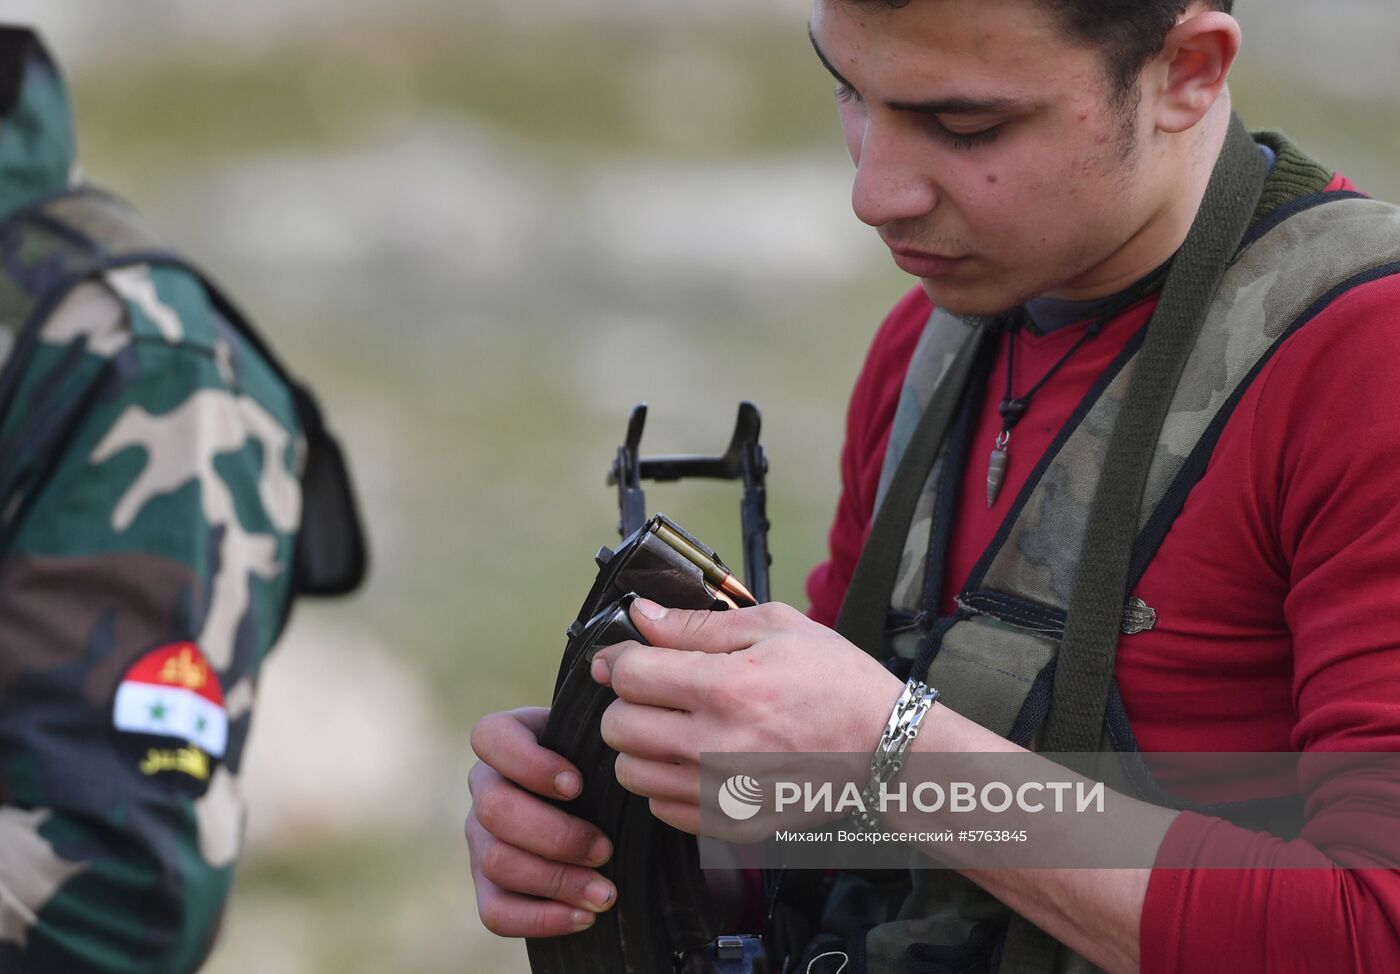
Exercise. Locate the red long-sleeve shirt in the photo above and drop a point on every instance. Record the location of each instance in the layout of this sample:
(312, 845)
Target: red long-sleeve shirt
(1278, 599)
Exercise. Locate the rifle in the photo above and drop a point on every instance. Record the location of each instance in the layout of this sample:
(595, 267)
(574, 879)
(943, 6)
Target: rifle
(665, 920)
(742, 460)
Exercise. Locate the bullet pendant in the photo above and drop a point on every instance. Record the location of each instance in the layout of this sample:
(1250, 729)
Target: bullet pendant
(996, 467)
(996, 473)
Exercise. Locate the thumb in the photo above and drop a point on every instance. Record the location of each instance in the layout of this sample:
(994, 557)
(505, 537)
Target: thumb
(700, 630)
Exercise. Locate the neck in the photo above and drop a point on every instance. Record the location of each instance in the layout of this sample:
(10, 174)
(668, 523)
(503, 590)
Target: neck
(1186, 167)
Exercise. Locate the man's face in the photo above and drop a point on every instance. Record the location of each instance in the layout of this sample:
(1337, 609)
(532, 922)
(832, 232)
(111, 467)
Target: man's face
(989, 152)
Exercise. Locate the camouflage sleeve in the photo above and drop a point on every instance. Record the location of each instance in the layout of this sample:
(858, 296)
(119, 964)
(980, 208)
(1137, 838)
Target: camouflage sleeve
(148, 506)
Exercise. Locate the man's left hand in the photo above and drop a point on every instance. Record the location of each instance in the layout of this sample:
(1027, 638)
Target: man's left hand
(763, 679)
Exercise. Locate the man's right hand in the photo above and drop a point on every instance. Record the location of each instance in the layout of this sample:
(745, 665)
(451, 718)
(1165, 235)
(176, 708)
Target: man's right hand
(531, 862)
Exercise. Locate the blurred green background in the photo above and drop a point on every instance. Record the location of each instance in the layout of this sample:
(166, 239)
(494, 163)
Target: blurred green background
(484, 231)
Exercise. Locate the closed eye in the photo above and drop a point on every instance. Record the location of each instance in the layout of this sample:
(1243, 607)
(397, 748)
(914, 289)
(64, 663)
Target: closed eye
(847, 95)
(964, 140)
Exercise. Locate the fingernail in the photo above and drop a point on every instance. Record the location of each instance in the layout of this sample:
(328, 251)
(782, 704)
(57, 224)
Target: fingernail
(600, 850)
(567, 784)
(581, 919)
(599, 670)
(650, 609)
(599, 893)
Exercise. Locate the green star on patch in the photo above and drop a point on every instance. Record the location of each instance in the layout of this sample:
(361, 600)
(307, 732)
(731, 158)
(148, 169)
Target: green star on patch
(157, 711)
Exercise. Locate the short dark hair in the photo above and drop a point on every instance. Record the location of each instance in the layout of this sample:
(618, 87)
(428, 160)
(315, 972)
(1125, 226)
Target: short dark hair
(1131, 32)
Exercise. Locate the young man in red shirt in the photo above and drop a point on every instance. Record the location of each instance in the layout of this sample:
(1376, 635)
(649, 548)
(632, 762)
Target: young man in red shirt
(1041, 166)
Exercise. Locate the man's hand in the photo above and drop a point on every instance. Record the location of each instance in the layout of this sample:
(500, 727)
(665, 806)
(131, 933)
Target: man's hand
(531, 862)
(764, 679)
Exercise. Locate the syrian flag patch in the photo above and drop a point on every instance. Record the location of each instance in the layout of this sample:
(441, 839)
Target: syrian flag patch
(170, 707)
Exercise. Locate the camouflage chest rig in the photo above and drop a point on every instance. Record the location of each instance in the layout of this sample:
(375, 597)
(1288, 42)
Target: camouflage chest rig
(1029, 651)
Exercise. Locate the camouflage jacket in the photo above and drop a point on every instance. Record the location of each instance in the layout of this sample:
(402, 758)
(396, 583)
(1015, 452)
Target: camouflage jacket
(149, 503)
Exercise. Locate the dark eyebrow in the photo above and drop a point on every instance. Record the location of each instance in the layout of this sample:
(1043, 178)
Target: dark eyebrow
(936, 106)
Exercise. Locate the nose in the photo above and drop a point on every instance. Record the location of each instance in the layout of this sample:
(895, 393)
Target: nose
(892, 182)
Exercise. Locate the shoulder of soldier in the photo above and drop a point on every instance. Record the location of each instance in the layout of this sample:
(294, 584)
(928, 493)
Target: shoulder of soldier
(124, 325)
(147, 339)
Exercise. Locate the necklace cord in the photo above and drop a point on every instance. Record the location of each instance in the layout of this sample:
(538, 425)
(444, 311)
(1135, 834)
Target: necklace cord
(1013, 408)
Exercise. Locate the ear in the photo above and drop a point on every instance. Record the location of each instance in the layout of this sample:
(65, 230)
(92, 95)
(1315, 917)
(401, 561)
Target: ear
(1193, 67)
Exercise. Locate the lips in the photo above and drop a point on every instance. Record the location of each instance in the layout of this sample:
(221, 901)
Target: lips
(924, 264)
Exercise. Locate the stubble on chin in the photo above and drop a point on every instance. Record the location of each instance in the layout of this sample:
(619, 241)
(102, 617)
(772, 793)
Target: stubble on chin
(980, 310)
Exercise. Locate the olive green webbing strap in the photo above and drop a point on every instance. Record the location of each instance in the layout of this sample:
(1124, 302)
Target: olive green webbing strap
(867, 604)
(1085, 668)
(1084, 672)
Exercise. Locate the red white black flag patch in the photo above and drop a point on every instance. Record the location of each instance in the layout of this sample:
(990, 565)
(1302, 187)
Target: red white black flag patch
(171, 700)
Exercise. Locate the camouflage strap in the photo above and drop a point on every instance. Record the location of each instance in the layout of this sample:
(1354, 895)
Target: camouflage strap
(866, 606)
(1085, 668)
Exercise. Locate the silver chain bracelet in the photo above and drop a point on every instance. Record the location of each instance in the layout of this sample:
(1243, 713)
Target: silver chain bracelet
(888, 760)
